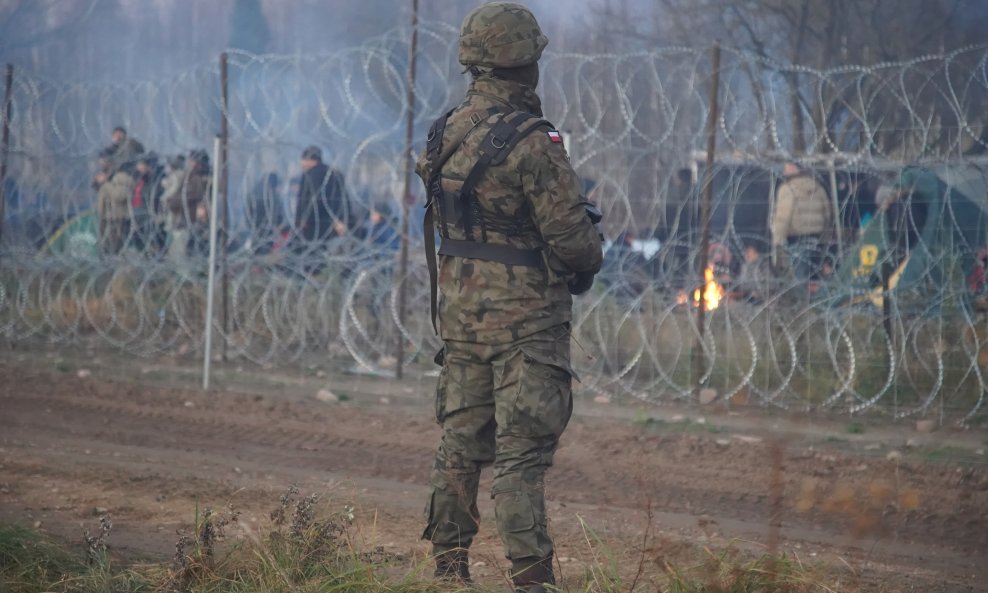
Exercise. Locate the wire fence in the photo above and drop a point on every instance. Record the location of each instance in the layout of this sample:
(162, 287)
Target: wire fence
(890, 320)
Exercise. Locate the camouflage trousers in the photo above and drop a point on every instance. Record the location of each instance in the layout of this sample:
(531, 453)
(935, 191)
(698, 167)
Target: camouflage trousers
(507, 405)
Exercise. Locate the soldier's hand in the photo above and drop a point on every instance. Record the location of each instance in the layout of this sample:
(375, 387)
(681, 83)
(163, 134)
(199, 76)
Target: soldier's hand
(595, 216)
(580, 283)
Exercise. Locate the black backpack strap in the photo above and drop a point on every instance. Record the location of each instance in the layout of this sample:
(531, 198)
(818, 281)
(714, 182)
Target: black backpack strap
(433, 150)
(437, 157)
(503, 136)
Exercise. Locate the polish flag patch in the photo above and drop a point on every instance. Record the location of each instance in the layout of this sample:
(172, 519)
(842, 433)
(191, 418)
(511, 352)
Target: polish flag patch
(555, 136)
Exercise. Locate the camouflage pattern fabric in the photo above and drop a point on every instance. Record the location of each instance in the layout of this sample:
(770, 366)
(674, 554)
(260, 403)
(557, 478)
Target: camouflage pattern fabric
(501, 35)
(507, 405)
(537, 197)
(504, 394)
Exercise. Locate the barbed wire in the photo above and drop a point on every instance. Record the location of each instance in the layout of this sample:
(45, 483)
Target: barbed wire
(633, 121)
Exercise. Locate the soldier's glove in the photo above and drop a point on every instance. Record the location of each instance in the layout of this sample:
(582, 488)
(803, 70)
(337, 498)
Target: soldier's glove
(595, 216)
(581, 282)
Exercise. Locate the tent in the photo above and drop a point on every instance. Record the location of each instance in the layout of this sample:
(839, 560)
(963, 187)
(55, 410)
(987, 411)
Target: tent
(924, 240)
(77, 237)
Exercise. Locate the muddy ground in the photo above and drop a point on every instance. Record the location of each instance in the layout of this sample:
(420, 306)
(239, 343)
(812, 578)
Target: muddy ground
(886, 510)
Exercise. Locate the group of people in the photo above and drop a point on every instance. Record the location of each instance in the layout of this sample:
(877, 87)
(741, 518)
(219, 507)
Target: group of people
(162, 209)
(800, 248)
(802, 229)
(141, 203)
(519, 238)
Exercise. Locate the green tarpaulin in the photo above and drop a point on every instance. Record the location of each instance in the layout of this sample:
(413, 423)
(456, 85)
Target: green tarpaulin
(78, 237)
(926, 240)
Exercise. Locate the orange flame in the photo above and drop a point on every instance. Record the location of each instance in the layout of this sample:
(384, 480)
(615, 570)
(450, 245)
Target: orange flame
(712, 291)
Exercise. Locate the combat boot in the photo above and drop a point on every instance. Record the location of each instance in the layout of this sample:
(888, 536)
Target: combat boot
(531, 575)
(453, 565)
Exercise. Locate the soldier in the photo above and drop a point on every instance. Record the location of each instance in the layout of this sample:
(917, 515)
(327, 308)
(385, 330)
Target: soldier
(517, 240)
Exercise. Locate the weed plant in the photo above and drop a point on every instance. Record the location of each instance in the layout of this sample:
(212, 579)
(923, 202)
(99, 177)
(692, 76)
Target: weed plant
(310, 546)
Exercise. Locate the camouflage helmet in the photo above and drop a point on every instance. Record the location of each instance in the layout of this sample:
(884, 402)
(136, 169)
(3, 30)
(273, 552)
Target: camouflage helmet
(501, 35)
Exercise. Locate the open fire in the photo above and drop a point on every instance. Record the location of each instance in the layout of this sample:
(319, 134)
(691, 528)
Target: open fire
(712, 293)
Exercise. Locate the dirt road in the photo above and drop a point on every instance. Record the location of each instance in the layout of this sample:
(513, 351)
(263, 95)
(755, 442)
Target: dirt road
(73, 447)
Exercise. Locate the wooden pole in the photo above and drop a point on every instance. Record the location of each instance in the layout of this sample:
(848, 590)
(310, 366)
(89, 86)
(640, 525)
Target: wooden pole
(699, 357)
(225, 204)
(407, 192)
(8, 90)
(835, 207)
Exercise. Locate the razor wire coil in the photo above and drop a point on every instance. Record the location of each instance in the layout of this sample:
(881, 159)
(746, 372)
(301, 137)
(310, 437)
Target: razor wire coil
(635, 120)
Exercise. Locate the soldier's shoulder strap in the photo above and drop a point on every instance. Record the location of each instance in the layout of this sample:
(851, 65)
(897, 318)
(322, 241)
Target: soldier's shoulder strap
(437, 155)
(434, 141)
(433, 154)
(506, 132)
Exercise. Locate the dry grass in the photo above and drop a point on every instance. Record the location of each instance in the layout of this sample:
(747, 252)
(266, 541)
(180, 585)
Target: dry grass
(310, 545)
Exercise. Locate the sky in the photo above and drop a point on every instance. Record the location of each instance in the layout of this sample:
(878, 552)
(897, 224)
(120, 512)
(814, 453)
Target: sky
(146, 37)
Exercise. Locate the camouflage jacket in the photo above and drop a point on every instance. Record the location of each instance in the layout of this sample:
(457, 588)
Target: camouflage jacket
(538, 191)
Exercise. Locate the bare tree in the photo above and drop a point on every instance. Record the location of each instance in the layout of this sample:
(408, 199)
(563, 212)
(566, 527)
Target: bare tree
(821, 35)
(31, 23)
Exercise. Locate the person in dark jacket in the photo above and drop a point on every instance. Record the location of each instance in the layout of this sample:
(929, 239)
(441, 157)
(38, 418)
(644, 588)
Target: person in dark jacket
(149, 212)
(188, 207)
(265, 215)
(323, 210)
(123, 149)
(381, 232)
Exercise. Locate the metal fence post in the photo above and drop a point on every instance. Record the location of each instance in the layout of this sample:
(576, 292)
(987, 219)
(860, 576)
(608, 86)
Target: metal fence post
(5, 113)
(223, 193)
(406, 195)
(211, 275)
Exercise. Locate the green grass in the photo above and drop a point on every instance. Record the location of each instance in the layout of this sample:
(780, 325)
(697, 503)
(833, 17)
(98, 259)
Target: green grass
(311, 547)
(946, 453)
(28, 561)
(855, 428)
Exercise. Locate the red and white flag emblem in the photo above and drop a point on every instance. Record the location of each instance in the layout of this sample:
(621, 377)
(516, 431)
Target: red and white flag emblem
(555, 136)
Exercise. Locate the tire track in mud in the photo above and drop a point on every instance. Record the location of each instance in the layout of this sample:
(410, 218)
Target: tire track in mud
(841, 508)
(302, 435)
(130, 425)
